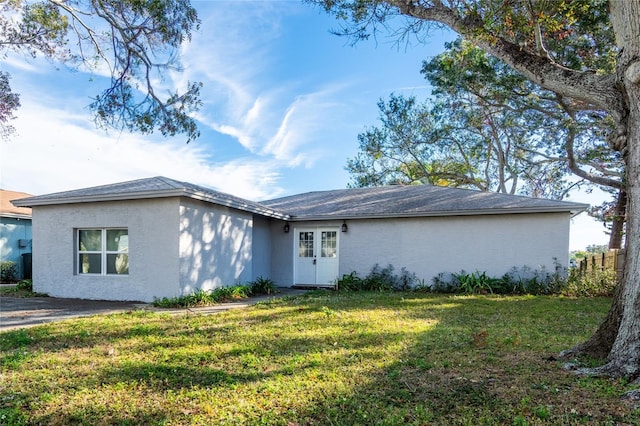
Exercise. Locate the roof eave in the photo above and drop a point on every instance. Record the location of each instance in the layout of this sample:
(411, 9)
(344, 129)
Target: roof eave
(15, 215)
(578, 208)
(30, 202)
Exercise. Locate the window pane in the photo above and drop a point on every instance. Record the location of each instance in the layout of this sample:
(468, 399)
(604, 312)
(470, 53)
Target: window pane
(90, 240)
(305, 244)
(90, 264)
(118, 240)
(118, 264)
(329, 244)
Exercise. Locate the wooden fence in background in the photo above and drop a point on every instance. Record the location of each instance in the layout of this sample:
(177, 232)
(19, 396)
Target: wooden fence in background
(612, 260)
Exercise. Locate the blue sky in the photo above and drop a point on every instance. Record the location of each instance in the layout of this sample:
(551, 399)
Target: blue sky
(284, 101)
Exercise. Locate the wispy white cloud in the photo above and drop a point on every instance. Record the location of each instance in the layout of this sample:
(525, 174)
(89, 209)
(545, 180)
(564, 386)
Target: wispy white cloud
(243, 96)
(53, 154)
(20, 62)
(304, 127)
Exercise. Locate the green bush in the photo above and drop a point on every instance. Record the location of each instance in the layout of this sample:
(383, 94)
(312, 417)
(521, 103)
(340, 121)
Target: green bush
(349, 282)
(476, 283)
(262, 286)
(443, 283)
(201, 297)
(25, 285)
(525, 280)
(8, 271)
(591, 284)
(522, 280)
(378, 279)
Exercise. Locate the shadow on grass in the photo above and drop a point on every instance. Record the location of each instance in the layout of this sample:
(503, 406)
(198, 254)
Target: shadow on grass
(376, 358)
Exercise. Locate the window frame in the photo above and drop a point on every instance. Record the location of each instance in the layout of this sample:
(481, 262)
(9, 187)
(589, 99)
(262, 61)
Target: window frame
(103, 252)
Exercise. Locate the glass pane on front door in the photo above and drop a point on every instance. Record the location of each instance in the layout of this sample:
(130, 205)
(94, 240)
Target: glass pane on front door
(305, 244)
(329, 244)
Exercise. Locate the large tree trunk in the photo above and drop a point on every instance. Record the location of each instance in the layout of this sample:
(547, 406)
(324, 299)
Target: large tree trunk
(600, 343)
(619, 335)
(618, 220)
(624, 357)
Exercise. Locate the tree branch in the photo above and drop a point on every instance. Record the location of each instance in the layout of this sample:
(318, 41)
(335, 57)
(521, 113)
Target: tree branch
(598, 90)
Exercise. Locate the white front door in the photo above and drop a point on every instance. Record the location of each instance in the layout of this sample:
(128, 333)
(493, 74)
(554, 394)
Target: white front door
(316, 260)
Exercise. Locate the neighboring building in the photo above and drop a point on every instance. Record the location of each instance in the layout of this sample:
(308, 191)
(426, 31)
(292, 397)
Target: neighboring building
(15, 232)
(157, 237)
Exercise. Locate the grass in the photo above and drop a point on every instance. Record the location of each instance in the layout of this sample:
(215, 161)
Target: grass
(322, 359)
(23, 288)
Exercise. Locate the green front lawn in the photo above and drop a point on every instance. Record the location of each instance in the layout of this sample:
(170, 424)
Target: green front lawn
(323, 358)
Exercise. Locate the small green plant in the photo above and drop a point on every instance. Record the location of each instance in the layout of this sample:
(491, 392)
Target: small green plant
(349, 282)
(202, 297)
(328, 311)
(475, 283)
(25, 285)
(23, 288)
(524, 280)
(378, 279)
(443, 283)
(226, 294)
(262, 286)
(8, 271)
(542, 412)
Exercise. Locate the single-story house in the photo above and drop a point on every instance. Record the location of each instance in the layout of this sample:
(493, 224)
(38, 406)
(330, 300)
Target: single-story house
(15, 232)
(158, 237)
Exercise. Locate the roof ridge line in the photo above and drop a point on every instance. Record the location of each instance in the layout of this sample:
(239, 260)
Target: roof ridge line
(172, 182)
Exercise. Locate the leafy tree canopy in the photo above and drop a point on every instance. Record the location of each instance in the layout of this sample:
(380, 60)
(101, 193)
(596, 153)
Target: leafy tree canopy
(133, 41)
(487, 128)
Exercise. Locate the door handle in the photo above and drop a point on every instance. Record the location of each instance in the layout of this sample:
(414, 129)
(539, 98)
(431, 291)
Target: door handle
(314, 260)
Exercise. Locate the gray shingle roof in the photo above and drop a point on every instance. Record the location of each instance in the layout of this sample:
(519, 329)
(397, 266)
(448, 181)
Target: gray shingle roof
(155, 187)
(387, 201)
(414, 200)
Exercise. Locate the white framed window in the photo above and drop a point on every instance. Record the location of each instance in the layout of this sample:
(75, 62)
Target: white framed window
(102, 251)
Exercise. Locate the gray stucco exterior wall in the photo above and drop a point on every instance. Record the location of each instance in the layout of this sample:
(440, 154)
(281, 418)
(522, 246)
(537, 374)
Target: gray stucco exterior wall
(153, 249)
(281, 254)
(261, 250)
(428, 246)
(215, 246)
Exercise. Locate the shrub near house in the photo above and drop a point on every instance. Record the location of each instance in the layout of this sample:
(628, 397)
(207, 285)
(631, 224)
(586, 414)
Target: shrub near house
(8, 271)
(522, 280)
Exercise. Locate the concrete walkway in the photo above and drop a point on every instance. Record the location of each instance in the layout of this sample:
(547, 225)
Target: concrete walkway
(18, 312)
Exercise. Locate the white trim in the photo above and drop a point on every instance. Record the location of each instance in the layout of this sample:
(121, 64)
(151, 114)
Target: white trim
(16, 215)
(104, 252)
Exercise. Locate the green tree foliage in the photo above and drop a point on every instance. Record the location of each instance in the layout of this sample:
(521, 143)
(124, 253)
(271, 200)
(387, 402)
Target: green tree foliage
(135, 41)
(9, 102)
(588, 251)
(488, 128)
